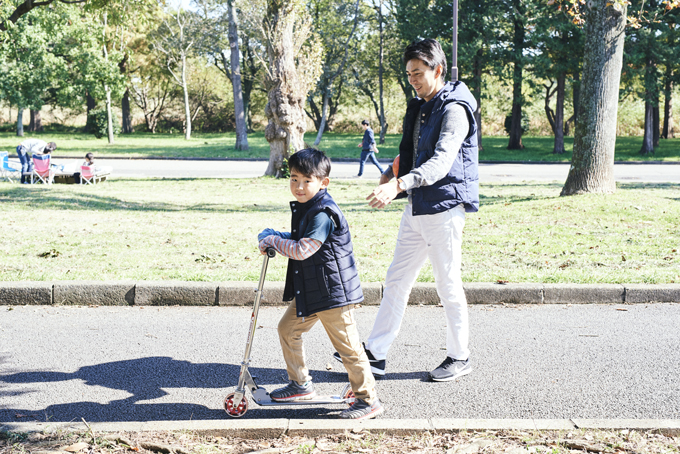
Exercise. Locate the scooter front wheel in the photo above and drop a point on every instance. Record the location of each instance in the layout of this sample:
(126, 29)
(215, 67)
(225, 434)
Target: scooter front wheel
(348, 395)
(235, 412)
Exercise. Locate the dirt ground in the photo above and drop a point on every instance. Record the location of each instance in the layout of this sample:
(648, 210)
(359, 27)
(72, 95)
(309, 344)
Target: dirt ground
(549, 442)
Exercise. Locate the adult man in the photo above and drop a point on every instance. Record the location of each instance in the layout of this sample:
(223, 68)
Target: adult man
(367, 146)
(438, 170)
(27, 149)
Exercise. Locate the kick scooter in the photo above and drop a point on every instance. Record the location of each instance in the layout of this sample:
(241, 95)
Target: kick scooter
(236, 403)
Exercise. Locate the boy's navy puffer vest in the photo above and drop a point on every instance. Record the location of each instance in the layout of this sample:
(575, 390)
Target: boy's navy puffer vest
(461, 184)
(329, 278)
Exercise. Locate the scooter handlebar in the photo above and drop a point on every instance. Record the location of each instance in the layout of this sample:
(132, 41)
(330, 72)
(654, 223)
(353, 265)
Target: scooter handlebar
(271, 252)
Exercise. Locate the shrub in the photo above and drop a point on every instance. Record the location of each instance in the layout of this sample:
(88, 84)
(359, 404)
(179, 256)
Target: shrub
(98, 123)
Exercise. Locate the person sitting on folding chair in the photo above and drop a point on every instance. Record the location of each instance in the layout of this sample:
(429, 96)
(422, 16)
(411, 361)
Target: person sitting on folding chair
(27, 149)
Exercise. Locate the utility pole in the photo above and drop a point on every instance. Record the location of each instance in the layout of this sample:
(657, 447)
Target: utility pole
(454, 47)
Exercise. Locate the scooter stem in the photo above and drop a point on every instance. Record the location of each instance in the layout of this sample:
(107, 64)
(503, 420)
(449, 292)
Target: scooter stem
(271, 252)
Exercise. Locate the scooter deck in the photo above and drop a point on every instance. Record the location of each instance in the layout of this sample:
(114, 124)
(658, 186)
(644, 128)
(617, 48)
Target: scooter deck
(262, 398)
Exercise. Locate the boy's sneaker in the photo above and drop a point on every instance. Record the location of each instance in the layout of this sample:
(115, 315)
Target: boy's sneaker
(451, 369)
(362, 410)
(293, 392)
(377, 365)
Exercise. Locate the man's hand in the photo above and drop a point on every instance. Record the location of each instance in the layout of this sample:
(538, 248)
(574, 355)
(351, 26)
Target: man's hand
(383, 194)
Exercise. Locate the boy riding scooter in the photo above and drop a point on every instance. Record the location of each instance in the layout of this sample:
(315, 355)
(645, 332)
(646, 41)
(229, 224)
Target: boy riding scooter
(322, 283)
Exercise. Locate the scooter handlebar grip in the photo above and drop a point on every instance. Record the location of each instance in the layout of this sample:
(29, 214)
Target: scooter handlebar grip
(271, 252)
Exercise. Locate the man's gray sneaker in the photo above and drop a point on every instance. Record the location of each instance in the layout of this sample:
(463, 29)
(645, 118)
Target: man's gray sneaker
(377, 365)
(293, 392)
(451, 369)
(360, 409)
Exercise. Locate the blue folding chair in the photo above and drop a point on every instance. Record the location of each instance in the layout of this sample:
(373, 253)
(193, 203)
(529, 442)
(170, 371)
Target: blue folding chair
(6, 171)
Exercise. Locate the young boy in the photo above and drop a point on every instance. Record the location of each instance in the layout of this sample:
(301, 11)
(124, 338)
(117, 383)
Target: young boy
(322, 283)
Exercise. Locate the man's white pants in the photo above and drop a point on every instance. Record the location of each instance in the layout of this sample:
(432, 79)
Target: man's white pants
(438, 237)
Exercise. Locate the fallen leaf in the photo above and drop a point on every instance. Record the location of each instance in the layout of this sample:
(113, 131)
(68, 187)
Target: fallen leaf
(329, 366)
(77, 447)
(501, 281)
(624, 310)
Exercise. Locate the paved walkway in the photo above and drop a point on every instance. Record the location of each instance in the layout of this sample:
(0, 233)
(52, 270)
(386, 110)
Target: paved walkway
(657, 173)
(530, 362)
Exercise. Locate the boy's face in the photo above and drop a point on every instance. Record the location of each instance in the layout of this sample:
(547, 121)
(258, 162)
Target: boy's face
(304, 187)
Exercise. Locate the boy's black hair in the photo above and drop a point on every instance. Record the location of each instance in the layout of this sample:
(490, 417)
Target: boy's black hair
(429, 51)
(89, 156)
(310, 162)
(365, 122)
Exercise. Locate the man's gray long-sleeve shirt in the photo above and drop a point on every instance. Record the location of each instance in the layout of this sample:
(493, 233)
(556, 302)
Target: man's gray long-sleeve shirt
(454, 129)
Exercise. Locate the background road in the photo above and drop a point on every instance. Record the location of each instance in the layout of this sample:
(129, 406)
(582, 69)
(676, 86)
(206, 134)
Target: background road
(178, 363)
(342, 169)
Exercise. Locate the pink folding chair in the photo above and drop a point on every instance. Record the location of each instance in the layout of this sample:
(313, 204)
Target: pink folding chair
(88, 175)
(42, 169)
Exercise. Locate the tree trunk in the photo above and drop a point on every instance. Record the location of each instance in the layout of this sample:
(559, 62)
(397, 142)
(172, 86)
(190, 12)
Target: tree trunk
(187, 110)
(576, 84)
(559, 114)
(592, 163)
(239, 110)
(477, 92)
(36, 122)
(549, 113)
(647, 139)
(668, 108)
(324, 113)
(109, 117)
(91, 105)
(383, 122)
(515, 142)
(126, 113)
(286, 91)
(20, 122)
(656, 127)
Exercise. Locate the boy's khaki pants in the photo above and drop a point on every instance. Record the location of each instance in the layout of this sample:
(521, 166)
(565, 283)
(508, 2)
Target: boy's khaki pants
(342, 330)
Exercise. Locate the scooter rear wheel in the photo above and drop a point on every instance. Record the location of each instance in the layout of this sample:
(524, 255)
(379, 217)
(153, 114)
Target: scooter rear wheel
(235, 412)
(347, 393)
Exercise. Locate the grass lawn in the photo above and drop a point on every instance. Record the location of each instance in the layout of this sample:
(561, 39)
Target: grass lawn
(205, 230)
(335, 145)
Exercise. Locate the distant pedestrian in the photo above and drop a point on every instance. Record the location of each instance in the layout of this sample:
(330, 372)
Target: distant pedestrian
(368, 148)
(27, 149)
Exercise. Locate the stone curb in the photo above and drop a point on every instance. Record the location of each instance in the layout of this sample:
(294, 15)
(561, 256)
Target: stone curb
(171, 293)
(274, 428)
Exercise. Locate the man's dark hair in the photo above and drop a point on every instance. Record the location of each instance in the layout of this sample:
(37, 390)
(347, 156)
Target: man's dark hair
(50, 147)
(310, 162)
(89, 156)
(365, 122)
(429, 51)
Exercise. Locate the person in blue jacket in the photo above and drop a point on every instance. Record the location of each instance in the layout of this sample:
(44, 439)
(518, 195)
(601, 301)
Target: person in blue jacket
(368, 148)
(438, 173)
(322, 284)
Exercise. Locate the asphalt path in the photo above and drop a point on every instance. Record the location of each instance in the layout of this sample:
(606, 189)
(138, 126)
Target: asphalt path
(162, 168)
(178, 363)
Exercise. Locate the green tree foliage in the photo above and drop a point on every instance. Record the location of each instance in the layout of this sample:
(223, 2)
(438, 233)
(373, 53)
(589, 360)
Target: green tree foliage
(30, 72)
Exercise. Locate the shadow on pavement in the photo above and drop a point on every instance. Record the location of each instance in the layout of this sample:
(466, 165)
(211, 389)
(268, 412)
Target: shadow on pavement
(147, 379)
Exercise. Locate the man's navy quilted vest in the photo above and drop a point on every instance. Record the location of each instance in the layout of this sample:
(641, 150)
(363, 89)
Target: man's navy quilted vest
(461, 184)
(329, 278)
